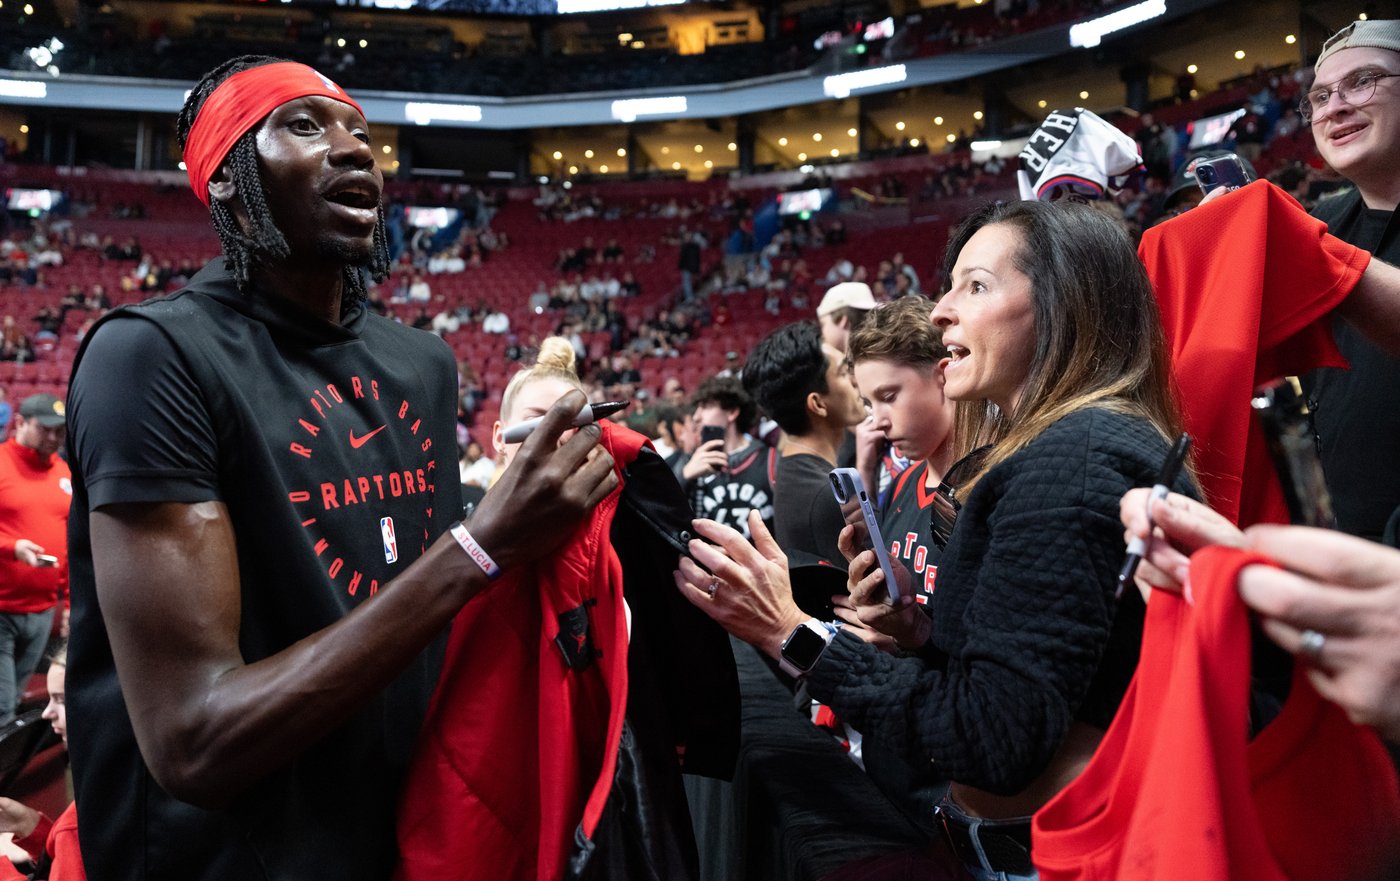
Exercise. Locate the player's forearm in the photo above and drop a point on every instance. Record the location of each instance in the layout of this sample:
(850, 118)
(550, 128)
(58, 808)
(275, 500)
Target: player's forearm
(247, 720)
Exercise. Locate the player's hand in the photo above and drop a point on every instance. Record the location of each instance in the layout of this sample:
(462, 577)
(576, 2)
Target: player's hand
(547, 489)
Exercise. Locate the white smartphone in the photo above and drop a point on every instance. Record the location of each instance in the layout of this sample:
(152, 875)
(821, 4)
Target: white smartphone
(849, 489)
(46, 559)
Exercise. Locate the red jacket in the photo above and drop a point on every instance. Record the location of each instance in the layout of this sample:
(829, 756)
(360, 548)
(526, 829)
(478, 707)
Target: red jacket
(518, 750)
(59, 840)
(34, 496)
(63, 848)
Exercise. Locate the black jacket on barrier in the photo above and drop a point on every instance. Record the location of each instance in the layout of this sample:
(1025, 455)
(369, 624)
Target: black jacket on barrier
(682, 687)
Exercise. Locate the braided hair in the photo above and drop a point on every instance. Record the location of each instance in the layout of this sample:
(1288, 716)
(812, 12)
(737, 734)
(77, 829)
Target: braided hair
(263, 240)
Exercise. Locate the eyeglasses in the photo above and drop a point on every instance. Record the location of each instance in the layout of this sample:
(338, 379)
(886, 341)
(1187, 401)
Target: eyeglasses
(945, 508)
(1355, 88)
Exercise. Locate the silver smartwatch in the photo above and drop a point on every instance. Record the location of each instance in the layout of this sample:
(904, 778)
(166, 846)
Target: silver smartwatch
(804, 646)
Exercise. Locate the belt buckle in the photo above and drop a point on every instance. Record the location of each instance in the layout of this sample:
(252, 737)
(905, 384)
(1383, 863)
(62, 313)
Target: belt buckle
(993, 848)
(958, 837)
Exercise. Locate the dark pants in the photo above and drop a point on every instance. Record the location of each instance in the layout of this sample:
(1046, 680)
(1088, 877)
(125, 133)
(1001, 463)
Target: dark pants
(23, 638)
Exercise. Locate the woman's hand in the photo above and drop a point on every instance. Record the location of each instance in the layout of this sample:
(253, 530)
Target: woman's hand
(869, 603)
(749, 593)
(1344, 593)
(1183, 526)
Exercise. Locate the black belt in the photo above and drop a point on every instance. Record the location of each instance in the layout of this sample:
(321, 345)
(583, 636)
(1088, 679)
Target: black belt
(1006, 843)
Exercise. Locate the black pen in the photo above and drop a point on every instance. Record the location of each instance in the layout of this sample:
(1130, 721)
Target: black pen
(1137, 548)
(590, 413)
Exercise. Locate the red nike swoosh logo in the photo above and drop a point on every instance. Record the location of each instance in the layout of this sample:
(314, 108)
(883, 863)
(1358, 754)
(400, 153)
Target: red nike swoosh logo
(357, 442)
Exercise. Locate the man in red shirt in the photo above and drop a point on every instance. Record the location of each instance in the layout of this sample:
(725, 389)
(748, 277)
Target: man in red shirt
(35, 489)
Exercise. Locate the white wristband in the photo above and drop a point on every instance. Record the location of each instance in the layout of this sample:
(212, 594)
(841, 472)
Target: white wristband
(475, 551)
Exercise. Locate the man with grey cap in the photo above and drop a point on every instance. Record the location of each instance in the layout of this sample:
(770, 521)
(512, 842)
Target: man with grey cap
(35, 489)
(1354, 109)
(842, 310)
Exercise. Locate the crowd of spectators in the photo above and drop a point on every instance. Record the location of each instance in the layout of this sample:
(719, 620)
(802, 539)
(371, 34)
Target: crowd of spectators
(465, 240)
(51, 243)
(25, 254)
(437, 62)
(1109, 425)
(961, 178)
(563, 202)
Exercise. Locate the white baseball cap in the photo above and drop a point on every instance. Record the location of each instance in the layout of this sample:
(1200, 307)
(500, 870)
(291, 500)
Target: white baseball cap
(848, 293)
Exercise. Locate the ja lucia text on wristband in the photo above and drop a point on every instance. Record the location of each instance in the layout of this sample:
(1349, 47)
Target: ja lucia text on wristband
(475, 551)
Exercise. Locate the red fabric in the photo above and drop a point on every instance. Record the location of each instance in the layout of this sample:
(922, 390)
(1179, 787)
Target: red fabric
(35, 842)
(1245, 285)
(1177, 791)
(518, 750)
(63, 848)
(239, 103)
(35, 493)
(60, 840)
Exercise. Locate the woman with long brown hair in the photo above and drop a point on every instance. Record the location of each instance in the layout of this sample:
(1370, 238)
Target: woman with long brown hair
(1058, 363)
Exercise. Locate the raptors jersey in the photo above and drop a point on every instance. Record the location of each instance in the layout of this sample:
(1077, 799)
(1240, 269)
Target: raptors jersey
(748, 485)
(905, 525)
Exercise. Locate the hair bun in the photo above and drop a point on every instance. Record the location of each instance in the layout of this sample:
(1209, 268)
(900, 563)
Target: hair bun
(556, 353)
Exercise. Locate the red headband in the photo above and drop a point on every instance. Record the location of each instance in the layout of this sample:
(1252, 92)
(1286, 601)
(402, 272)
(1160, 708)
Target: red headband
(241, 102)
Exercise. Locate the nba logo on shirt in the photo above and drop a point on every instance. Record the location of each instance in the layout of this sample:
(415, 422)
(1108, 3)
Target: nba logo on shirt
(391, 546)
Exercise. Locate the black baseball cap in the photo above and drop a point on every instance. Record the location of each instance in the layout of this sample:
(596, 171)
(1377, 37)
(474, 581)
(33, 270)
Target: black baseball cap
(814, 581)
(48, 409)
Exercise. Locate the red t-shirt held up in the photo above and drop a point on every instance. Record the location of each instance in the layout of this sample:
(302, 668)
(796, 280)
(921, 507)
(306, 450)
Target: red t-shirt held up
(1245, 285)
(1176, 789)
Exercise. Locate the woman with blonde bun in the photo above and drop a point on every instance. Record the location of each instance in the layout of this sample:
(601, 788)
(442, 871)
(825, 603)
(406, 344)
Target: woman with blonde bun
(532, 391)
(539, 726)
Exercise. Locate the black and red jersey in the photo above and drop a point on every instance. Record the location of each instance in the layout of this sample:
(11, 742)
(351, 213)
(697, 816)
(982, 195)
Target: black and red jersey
(747, 485)
(905, 525)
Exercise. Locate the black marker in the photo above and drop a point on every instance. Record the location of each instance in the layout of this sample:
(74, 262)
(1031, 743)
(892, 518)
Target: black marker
(589, 414)
(1137, 548)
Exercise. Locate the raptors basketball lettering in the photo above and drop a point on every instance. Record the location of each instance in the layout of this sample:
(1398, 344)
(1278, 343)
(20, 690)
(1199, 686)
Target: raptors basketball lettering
(747, 485)
(905, 523)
